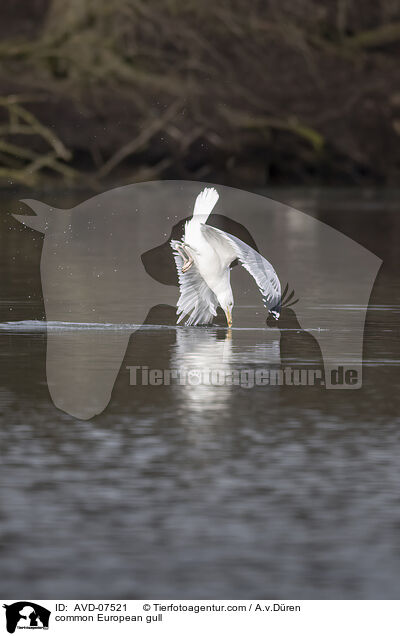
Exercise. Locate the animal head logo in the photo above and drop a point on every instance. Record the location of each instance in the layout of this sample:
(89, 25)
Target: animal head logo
(25, 614)
(108, 261)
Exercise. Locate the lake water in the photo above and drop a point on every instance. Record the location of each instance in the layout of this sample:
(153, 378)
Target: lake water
(278, 492)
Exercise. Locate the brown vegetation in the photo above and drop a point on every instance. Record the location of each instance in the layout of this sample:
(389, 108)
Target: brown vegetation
(231, 91)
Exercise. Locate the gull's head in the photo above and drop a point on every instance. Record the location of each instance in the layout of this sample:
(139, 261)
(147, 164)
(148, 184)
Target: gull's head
(225, 299)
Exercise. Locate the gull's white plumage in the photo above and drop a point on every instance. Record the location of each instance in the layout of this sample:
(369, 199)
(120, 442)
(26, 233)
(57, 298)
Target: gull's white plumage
(203, 260)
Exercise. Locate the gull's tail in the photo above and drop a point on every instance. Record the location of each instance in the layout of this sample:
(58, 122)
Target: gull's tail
(205, 203)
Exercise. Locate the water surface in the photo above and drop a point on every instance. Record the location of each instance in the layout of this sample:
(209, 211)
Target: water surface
(204, 491)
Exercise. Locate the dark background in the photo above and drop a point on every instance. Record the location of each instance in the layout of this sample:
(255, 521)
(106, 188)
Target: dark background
(248, 94)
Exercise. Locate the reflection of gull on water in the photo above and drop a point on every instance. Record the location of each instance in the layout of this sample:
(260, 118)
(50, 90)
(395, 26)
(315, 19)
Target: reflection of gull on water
(204, 364)
(210, 368)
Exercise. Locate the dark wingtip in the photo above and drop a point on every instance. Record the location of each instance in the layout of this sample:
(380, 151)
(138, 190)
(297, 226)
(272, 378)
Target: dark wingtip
(288, 298)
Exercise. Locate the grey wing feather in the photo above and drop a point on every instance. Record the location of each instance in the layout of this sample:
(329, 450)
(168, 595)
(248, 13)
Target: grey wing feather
(260, 269)
(196, 300)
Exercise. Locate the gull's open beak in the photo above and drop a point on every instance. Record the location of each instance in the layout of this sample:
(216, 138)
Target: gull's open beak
(228, 317)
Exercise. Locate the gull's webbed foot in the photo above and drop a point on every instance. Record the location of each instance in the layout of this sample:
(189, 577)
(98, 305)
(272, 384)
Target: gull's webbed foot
(187, 259)
(187, 265)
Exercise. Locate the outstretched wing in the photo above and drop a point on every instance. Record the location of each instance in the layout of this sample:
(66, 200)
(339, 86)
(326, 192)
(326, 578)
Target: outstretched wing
(258, 266)
(197, 300)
